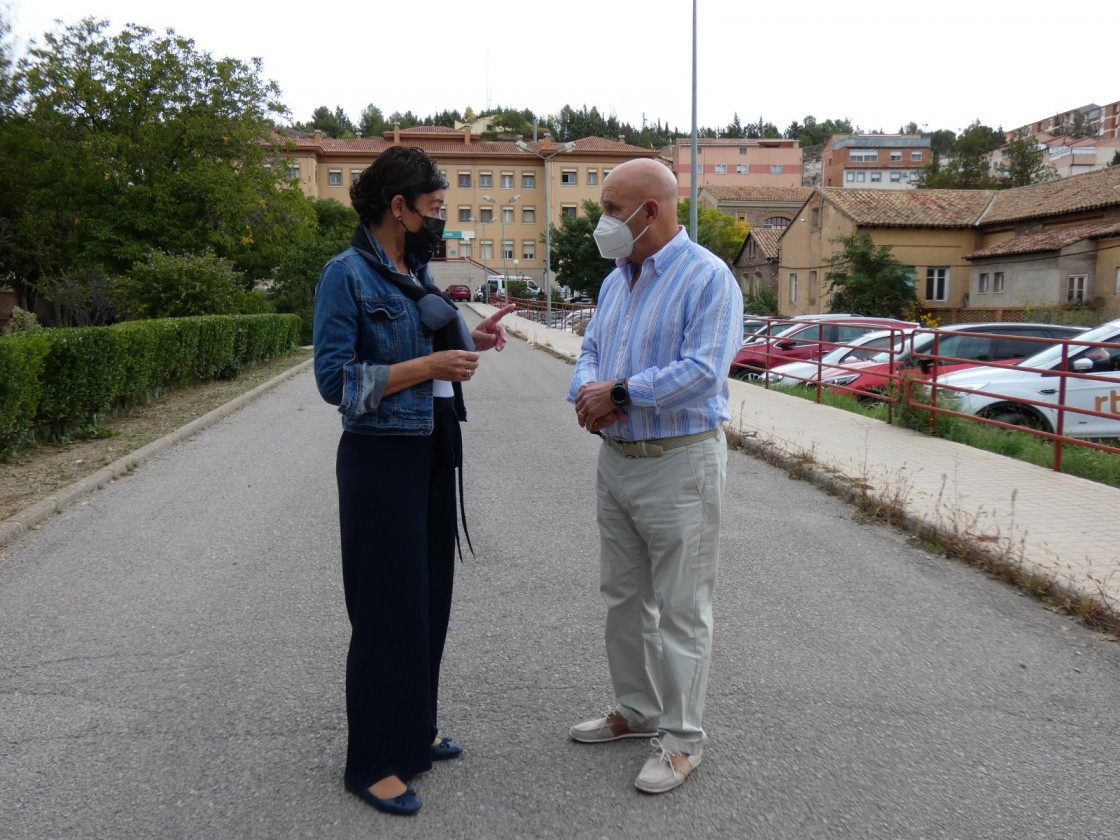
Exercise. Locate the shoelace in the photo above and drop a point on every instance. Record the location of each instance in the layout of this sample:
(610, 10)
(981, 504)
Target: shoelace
(664, 754)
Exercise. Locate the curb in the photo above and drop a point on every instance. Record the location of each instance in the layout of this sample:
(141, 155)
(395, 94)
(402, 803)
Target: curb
(31, 517)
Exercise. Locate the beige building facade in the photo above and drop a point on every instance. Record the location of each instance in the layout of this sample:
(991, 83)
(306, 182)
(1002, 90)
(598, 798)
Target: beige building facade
(495, 205)
(741, 162)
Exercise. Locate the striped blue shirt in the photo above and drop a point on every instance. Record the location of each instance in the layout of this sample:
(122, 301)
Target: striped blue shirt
(672, 337)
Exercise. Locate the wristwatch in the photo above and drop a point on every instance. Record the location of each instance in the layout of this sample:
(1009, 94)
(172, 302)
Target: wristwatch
(620, 396)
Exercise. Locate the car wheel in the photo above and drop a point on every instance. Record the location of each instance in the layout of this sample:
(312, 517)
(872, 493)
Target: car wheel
(1017, 415)
(747, 375)
(871, 397)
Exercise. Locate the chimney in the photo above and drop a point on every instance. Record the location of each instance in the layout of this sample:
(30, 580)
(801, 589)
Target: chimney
(396, 134)
(318, 136)
(467, 135)
(358, 134)
(622, 138)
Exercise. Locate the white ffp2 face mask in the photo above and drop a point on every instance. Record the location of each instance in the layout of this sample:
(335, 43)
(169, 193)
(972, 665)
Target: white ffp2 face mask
(614, 238)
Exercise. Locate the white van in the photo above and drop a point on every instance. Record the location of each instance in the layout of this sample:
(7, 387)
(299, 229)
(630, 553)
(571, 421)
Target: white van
(1006, 388)
(497, 284)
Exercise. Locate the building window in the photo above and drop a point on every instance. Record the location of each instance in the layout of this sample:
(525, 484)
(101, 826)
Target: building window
(528, 250)
(568, 177)
(850, 177)
(334, 178)
(876, 177)
(507, 249)
(721, 168)
(528, 215)
(486, 214)
(464, 214)
(568, 210)
(507, 180)
(507, 215)
(293, 171)
(592, 177)
(465, 248)
(860, 176)
(937, 284)
(776, 223)
(812, 287)
(742, 150)
(916, 155)
(486, 180)
(777, 168)
(864, 156)
(793, 288)
(742, 169)
(913, 176)
(815, 215)
(896, 177)
(606, 172)
(355, 174)
(1075, 288)
(528, 181)
(998, 282)
(982, 287)
(896, 156)
(465, 180)
(487, 250)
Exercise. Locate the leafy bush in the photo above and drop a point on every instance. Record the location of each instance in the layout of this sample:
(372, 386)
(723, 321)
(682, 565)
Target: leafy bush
(21, 377)
(24, 322)
(179, 285)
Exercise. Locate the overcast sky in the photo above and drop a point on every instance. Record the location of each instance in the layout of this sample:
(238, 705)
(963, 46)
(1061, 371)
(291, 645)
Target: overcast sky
(879, 63)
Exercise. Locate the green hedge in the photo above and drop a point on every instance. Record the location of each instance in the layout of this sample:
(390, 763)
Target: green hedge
(58, 382)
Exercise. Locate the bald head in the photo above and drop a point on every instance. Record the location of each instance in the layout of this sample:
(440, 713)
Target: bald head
(648, 190)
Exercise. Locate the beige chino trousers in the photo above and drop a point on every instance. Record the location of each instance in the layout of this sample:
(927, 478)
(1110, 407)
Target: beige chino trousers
(659, 554)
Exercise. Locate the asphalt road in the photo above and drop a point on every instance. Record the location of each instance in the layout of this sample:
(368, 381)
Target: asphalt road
(171, 659)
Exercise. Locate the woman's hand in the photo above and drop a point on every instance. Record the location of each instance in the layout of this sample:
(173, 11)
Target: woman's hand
(489, 334)
(453, 365)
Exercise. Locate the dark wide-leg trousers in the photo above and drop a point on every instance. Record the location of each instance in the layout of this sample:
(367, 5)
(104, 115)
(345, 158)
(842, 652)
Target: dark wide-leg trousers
(397, 515)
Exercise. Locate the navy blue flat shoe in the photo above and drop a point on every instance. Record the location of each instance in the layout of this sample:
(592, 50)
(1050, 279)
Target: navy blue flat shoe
(405, 805)
(445, 749)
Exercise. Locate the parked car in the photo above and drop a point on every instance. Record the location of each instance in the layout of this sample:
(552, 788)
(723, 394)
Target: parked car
(579, 297)
(861, 349)
(757, 328)
(873, 378)
(1007, 390)
(577, 320)
(801, 342)
(459, 292)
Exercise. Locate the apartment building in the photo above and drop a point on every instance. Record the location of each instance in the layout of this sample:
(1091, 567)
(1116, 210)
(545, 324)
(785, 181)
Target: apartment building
(1103, 120)
(736, 162)
(1067, 156)
(495, 207)
(874, 161)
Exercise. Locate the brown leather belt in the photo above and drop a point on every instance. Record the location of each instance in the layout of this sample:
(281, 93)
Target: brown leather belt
(655, 447)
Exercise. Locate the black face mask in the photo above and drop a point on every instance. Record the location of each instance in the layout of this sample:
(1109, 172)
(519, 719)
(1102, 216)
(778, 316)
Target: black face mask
(425, 239)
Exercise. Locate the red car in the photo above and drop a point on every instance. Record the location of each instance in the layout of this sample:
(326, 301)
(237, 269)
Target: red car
(804, 341)
(1003, 343)
(459, 292)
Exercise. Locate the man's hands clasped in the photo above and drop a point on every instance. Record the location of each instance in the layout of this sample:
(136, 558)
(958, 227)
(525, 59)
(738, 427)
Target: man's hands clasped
(594, 408)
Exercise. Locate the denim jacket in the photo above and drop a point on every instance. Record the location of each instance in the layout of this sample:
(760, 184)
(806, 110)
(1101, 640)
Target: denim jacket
(363, 324)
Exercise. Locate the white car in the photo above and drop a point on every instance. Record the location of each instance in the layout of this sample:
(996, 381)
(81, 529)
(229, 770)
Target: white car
(1024, 397)
(860, 349)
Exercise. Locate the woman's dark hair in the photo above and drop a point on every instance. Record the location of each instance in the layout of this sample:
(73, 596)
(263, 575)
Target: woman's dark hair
(398, 171)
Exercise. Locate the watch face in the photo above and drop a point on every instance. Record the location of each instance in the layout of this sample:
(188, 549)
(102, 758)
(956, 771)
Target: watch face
(619, 395)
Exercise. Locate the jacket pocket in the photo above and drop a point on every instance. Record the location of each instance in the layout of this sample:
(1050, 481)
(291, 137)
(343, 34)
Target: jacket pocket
(388, 328)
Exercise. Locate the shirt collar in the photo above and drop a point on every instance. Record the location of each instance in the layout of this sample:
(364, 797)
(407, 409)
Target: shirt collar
(666, 255)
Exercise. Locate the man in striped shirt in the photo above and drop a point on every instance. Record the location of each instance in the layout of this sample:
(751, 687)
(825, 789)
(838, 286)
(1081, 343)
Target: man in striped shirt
(651, 380)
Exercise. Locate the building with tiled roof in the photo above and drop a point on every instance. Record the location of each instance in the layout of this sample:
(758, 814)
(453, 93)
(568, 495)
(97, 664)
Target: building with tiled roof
(756, 265)
(758, 206)
(482, 236)
(975, 254)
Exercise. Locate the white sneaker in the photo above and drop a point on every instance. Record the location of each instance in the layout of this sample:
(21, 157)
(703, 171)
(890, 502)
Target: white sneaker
(665, 770)
(610, 727)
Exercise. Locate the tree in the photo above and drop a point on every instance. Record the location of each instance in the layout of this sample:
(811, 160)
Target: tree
(372, 121)
(869, 280)
(1115, 159)
(1024, 163)
(969, 168)
(331, 123)
(177, 285)
(136, 142)
(721, 234)
(575, 257)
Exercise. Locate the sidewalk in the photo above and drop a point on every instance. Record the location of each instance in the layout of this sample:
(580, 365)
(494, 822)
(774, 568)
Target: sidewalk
(1056, 527)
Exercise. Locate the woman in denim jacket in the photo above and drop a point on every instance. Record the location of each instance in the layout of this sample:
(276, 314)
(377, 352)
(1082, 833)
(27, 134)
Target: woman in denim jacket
(391, 352)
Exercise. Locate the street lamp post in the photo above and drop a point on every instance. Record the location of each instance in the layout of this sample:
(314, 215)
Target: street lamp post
(501, 211)
(485, 283)
(567, 147)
